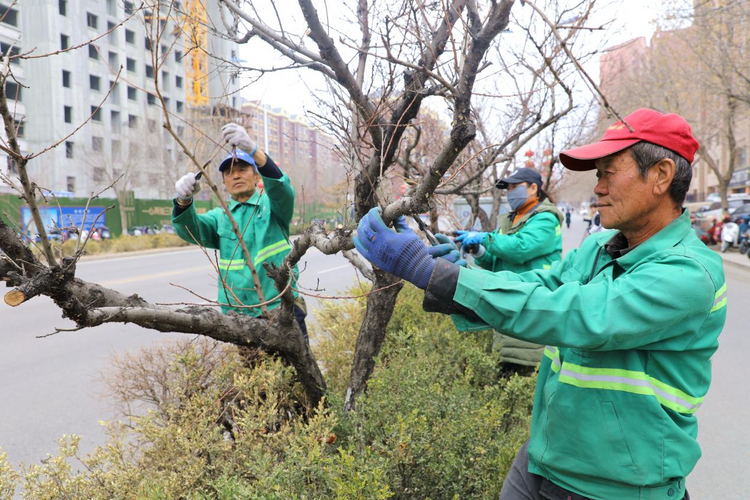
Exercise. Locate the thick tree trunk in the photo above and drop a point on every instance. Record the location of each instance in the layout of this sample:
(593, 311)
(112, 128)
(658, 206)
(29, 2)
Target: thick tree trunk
(379, 310)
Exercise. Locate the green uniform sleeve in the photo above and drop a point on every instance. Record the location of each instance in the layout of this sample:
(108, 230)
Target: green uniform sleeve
(658, 300)
(486, 261)
(197, 229)
(535, 239)
(281, 197)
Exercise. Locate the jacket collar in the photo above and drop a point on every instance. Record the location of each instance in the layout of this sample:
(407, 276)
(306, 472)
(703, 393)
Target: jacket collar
(233, 204)
(668, 237)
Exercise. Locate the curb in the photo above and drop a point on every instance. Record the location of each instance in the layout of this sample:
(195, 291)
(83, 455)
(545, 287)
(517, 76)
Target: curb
(118, 255)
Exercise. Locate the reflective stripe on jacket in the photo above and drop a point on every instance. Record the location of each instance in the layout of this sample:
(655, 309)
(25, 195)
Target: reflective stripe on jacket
(265, 219)
(616, 399)
(533, 242)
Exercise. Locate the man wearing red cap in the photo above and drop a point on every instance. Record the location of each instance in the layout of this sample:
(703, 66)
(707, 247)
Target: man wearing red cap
(631, 320)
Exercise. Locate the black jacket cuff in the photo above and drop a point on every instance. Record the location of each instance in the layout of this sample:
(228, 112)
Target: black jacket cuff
(178, 209)
(270, 169)
(438, 297)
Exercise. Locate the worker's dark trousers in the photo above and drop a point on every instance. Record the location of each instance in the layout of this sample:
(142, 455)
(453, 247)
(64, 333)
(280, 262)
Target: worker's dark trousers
(520, 484)
(300, 315)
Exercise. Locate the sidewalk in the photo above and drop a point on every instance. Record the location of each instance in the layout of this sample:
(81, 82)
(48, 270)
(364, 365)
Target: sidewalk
(733, 258)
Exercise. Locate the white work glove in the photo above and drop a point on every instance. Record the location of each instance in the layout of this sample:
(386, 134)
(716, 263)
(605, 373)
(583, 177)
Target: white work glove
(236, 137)
(187, 187)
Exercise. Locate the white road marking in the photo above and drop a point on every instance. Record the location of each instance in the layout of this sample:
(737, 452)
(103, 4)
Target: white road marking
(334, 269)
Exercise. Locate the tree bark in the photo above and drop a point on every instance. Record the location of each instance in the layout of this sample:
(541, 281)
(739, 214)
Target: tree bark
(378, 313)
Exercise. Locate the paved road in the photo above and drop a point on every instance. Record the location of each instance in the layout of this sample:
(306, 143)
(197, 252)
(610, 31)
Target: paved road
(51, 386)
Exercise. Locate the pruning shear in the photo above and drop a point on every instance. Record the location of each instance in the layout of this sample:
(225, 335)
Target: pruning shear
(423, 227)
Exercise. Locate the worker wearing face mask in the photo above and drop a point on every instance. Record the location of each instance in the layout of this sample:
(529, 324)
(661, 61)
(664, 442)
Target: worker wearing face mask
(529, 237)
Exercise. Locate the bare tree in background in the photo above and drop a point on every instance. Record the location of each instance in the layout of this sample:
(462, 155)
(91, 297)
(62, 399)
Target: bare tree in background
(404, 56)
(696, 66)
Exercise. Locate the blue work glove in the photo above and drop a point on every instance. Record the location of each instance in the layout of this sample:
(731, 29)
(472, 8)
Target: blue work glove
(399, 252)
(469, 238)
(447, 250)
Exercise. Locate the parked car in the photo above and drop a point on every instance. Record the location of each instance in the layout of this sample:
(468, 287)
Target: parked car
(734, 203)
(743, 212)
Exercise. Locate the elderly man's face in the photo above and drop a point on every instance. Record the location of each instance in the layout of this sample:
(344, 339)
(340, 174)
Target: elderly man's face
(625, 198)
(240, 180)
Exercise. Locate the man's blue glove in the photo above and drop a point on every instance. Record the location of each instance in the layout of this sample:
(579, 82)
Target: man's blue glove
(447, 250)
(399, 252)
(470, 238)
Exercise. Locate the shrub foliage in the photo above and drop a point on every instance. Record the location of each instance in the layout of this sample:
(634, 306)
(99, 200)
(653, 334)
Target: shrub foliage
(207, 421)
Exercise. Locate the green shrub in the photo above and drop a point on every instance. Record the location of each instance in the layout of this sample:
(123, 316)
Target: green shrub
(437, 421)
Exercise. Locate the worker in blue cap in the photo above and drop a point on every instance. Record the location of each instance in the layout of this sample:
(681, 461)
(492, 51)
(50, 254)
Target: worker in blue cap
(263, 216)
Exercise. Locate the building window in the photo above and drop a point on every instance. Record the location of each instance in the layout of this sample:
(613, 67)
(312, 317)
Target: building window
(6, 49)
(97, 144)
(165, 80)
(96, 113)
(151, 99)
(112, 32)
(149, 71)
(115, 92)
(129, 8)
(68, 149)
(166, 102)
(111, 8)
(93, 53)
(114, 60)
(91, 20)
(115, 149)
(130, 63)
(9, 16)
(95, 82)
(177, 56)
(130, 36)
(147, 43)
(13, 90)
(132, 121)
(64, 42)
(151, 125)
(99, 174)
(71, 184)
(115, 120)
(178, 81)
(68, 112)
(66, 78)
(63, 6)
(19, 128)
(132, 93)
(179, 106)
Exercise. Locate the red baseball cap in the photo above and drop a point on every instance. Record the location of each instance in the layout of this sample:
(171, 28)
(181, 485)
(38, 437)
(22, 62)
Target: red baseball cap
(667, 130)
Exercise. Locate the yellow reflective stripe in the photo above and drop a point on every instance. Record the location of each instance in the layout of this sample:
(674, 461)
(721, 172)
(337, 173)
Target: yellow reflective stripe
(271, 250)
(720, 298)
(554, 355)
(231, 264)
(629, 381)
(546, 267)
(558, 231)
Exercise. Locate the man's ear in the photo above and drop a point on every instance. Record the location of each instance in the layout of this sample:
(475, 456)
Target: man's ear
(662, 173)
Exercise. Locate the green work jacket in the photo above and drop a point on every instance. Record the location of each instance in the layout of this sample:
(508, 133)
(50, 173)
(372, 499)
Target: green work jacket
(534, 241)
(629, 357)
(265, 219)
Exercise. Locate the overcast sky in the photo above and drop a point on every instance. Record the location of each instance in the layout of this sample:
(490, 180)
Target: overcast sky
(290, 89)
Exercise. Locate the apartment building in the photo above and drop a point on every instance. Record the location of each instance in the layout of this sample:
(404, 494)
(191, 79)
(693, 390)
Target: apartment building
(304, 151)
(124, 134)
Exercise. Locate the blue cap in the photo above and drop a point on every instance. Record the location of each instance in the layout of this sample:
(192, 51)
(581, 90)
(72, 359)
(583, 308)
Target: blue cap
(238, 155)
